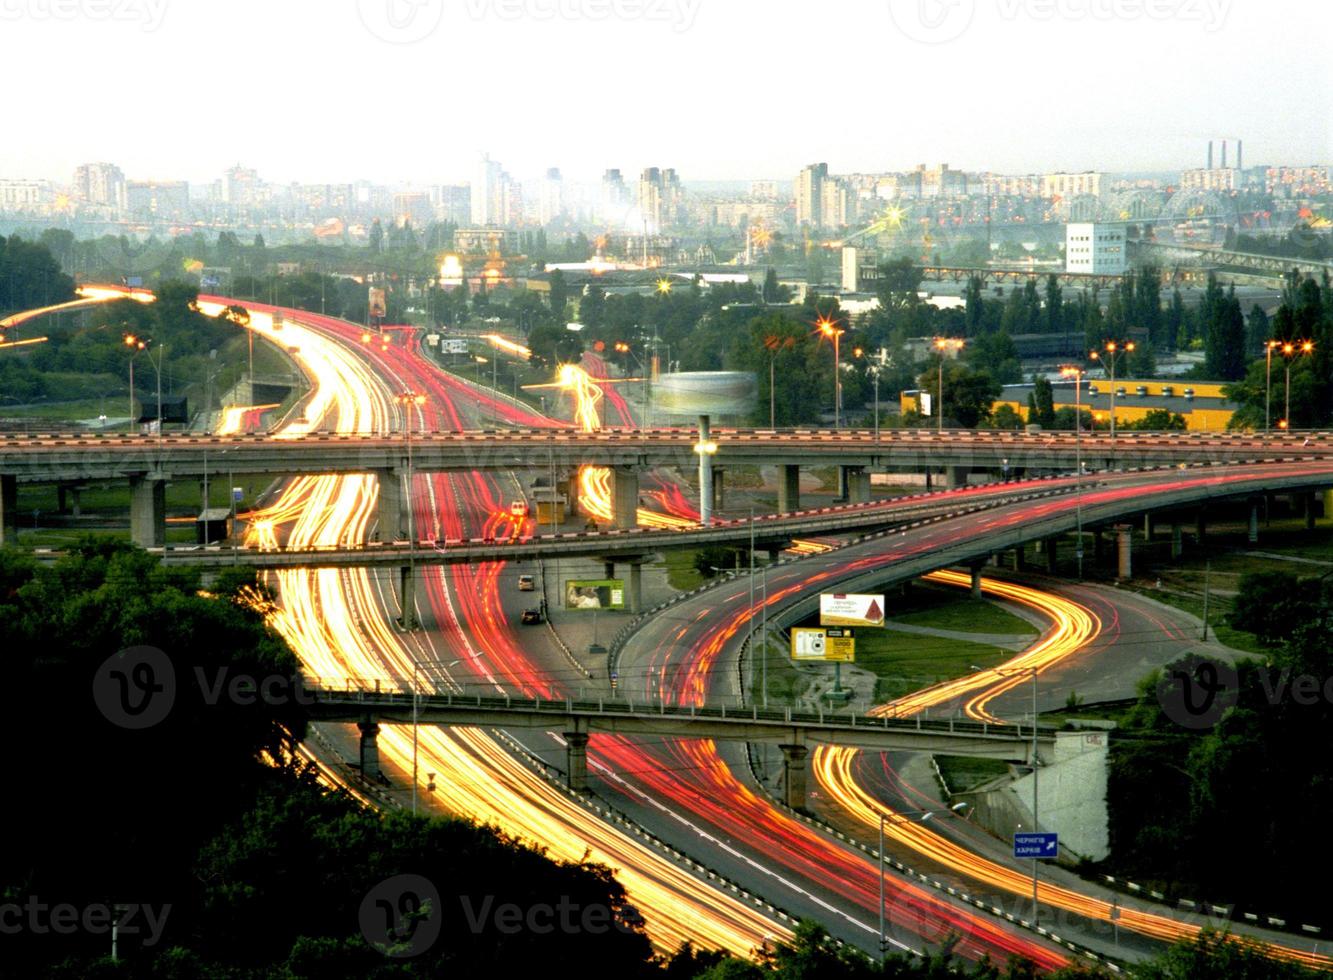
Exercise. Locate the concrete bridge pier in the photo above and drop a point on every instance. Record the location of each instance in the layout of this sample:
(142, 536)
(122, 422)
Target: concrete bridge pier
(68, 497)
(148, 511)
(789, 488)
(391, 526)
(1176, 546)
(719, 488)
(793, 774)
(9, 509)
(701, 449)
(1200, 526)
(1125, 544)
(857, 481)
(407, 597)
(1253, 535)
(1310, 505)
(976, 568)
(576, 761)
(1052, 554)
(1098, 545)
(958, 476)
(369, 755)
(625, 496)
(1147, 528)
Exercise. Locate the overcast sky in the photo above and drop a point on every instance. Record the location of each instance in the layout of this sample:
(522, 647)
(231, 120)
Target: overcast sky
(414, 90)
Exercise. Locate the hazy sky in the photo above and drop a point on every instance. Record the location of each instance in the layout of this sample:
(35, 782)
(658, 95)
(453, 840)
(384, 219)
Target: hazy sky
(413, 90)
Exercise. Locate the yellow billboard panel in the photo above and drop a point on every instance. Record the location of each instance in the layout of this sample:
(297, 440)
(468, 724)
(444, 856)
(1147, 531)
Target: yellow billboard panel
(823, 645)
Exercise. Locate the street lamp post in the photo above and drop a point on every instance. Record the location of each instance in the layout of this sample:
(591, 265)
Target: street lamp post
(1289, 351)
(829, 328)
(136, 345)
(410, 400)
(1077, 373)
(1268, 382)
(942, 345)
(1114, 350)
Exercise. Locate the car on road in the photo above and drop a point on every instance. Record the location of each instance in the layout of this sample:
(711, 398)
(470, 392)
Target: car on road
(531, 617)
(526, 583)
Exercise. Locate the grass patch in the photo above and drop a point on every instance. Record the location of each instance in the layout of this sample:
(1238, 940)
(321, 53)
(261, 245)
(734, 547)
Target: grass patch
(905, 663)
(786, 684)
(954, 609)
(681, 573)
(963, 774)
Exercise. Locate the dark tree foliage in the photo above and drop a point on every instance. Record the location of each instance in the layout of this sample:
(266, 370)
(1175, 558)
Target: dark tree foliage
(30, 275)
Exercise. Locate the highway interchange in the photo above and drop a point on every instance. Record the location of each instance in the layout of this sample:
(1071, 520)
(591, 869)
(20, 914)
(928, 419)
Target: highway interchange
(698, 797)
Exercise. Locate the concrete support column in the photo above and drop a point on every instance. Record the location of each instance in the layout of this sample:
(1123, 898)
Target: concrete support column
(634, 586)
(1253, 535)
(625, 496)
(1176, 547)
(719, 488)
(1052, 554)
(609, 569)
(857, 481)
(1098, 545)
(1147, 527)
(789, 488)
(958, 476)
(9, 509)
(576, 761)
(148, 511)
(793, 774)
(1019, 562)
(976, 580)
(76, 501)
(60, 498)
(1125, 541)
(572, 494)
(407, 595)
(705, 472)
(391, 523)
(370, 748)
(1201, 526)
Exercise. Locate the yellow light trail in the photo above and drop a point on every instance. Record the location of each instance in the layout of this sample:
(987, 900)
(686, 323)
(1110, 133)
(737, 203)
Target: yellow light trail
(333, 620)
(507, 345)
(1074, 625)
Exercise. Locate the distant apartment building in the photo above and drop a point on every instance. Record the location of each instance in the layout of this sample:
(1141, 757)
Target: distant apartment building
(1095, 248)
(810, 195)
(452, 203)
(1067, 186)
(661, 200)
(100, 185)
(486, 241)
(860, 268)
(164, 200)
(613, 198)
(941, 181)
(1298, 181)
(764, 190)
(739, 214)
(24, 195)
(551, 200)
(242, 188)
(323, 200)
(837, 204)
(1223, 179)
(1011, 185)
(413, 207)
(488, 193)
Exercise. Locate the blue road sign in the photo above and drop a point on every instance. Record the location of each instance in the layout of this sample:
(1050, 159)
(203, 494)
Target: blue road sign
(1043, 845)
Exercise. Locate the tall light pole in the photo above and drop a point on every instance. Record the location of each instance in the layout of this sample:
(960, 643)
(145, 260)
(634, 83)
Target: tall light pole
(1077, 374)
(1268, 381)
(942, 346)
(136, 345)
(829, 328)
(410, 401)
(1290, 350)
(1114, 350)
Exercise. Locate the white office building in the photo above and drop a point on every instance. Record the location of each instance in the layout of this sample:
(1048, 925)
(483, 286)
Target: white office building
(1095, 248)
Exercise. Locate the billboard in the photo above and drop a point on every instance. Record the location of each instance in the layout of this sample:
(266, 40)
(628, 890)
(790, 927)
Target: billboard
(595, 594)
(837, 609)
(693, 393)
(823, 645)
(454, 345)
(378, 308)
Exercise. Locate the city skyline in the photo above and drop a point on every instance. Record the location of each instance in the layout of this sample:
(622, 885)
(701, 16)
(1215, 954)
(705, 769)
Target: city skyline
(1141, 100)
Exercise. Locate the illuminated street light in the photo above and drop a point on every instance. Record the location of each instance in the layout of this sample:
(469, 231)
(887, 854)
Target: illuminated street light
(829, 328)
(1290, 350)
(663, 286)
(1115, 349)
(943, 345)
(136, 345)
